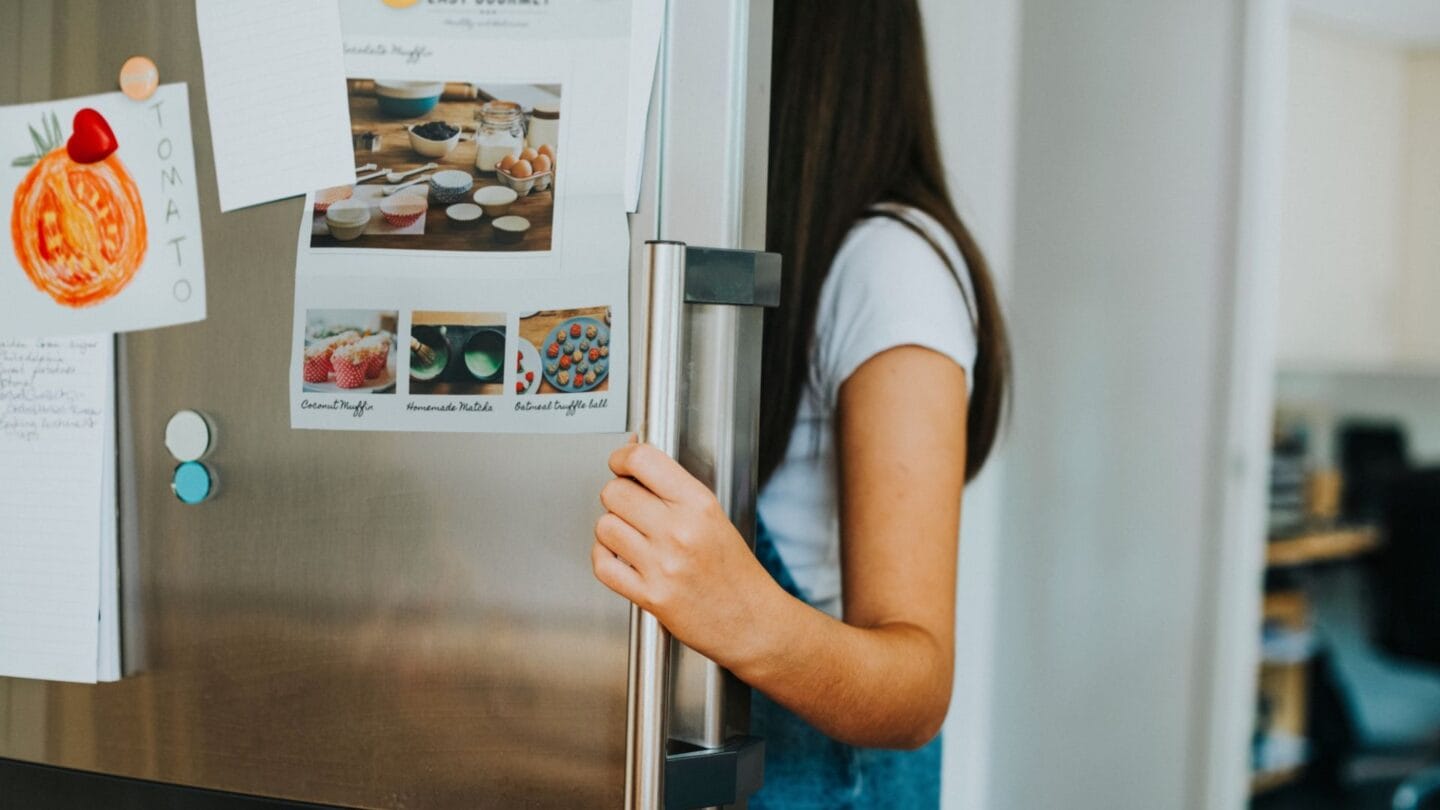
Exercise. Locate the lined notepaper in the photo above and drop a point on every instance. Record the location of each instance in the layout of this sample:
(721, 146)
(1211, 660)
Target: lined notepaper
(55, 421)
(275, 88)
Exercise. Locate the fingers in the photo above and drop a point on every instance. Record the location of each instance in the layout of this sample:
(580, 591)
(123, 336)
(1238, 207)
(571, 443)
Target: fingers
(658, 472)
(614, 573)
(623, 541)
(634, 504)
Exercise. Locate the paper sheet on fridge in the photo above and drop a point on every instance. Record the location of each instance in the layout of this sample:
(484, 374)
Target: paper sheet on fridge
(646, 29)
(105, 222)
(275, 89)
(56, 423)
(494, 299)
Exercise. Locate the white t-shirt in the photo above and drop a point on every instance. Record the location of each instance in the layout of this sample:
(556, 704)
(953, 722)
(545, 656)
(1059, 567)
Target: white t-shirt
(887, 288)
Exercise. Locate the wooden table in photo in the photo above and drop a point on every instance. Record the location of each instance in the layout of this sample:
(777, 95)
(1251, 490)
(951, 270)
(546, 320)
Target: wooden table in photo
(440, 232)
(538, 328)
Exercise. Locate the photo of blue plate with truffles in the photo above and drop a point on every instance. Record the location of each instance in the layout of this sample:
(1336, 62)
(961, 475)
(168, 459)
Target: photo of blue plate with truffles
(574, 349)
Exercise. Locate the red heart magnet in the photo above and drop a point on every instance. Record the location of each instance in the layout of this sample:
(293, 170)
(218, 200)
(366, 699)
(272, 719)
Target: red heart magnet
(92, 140)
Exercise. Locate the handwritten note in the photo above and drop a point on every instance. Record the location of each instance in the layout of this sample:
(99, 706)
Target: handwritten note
(55, 425)
(275, 87)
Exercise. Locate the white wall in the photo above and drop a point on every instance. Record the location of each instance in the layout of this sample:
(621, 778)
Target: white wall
(1345, 201)
(973, 47)
(1124, 228)
(1420, 338)
(1413, 21)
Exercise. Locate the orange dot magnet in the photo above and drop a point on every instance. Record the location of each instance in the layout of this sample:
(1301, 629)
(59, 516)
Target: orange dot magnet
(139, 77)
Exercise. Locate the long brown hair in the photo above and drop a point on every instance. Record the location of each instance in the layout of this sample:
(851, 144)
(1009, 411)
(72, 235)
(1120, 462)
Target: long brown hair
(852, 126)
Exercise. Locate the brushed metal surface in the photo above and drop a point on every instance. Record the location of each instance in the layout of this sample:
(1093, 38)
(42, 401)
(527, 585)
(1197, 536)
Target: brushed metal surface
(379, 620)
(647, 731)
(373, 620)
(719, 446)
(713, 194)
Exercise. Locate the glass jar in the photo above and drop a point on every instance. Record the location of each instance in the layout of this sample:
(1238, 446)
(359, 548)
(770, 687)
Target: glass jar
(501, 132)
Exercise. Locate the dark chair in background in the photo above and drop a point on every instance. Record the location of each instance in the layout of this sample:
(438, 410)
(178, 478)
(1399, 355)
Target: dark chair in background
(1407, 568)
(1373, 454)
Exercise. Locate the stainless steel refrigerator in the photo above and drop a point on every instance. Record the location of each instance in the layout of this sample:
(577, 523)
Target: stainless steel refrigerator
(441, 642)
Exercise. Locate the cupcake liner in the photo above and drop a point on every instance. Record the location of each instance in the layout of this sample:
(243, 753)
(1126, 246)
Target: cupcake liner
(349, 375)
(375, 363)
(317, 368)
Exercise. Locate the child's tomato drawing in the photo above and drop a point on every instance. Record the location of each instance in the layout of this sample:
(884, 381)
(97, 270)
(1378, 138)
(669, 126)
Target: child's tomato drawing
(77, 222)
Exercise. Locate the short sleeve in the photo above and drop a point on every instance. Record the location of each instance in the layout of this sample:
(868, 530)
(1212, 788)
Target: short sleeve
(889, 287)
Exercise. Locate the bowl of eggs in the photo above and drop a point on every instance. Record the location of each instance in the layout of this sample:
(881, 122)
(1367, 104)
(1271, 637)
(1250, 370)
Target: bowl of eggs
(531, 170)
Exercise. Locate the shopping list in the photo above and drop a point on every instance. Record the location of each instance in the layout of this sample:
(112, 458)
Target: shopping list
(104, 236)
(275, 90)
(473, 275)
(55, 426)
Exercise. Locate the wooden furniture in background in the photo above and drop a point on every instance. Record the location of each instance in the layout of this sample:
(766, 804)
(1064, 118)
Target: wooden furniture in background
(1284, 685)
(1325, 545)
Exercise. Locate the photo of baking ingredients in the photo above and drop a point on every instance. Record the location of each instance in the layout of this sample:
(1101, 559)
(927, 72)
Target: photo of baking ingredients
(567, 349)
(458, 353)
(349, 351)
(457, 166)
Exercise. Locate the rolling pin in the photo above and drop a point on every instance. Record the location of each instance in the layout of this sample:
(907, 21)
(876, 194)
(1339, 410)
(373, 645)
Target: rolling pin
(454, 91)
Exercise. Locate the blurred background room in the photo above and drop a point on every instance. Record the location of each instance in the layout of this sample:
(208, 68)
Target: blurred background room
(1205, 572)
(1201, 572)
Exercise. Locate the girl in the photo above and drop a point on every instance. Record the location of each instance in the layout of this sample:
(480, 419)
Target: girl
(886, 367)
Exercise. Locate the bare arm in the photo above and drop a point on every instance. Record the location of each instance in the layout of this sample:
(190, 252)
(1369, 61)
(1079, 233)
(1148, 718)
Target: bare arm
(880, 678)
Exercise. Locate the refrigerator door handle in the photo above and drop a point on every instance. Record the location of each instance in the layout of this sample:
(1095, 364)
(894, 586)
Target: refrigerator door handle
(676, 275)
(647, 729)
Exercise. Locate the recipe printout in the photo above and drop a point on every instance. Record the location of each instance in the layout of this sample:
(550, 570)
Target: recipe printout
(104, 219)
(475, 275)
(274, 78)
(57, 608)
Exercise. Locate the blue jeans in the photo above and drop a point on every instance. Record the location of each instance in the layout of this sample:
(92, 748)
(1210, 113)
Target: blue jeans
(804, 769)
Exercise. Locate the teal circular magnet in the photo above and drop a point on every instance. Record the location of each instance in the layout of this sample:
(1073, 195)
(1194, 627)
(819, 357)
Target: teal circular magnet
(192, 482)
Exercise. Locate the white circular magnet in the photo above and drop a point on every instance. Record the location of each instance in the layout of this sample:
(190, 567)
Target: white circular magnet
(188, 436)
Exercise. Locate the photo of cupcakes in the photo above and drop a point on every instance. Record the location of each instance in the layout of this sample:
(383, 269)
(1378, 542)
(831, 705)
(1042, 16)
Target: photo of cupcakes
(377, 354)
(349, 362)
(317, 363)
(348, 350)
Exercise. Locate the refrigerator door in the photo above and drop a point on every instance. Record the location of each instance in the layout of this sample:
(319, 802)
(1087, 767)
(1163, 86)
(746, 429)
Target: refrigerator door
(376, 620)
(362, 619)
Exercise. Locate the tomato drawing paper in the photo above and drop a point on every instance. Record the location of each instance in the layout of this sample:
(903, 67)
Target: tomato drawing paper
(103, 222)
